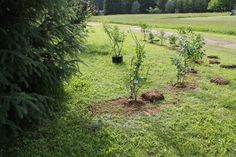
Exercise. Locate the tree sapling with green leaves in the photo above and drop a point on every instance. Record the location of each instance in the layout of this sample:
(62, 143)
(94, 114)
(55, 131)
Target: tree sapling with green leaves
(191, 46)
(151, 37)
(182, 70)
(117, 39)
(173, 41)
(191, 50)
(137, 76)
(144, 30)
(162, 37)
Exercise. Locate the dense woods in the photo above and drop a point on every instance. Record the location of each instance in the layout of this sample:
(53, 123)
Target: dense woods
(165, 6)
(37, 40)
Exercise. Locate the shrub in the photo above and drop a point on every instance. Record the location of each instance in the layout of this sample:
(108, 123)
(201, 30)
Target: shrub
(137, 77)
(191, 46)
(162, 37)
(38, 40)
(116, 38)
(182, 69)
(173, 40)
(144, 30)
(151, 37)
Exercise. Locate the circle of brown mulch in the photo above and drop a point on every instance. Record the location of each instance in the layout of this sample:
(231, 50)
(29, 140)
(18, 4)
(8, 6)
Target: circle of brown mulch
(233, 66)
(199, 62)
(179, 87)
(152, 96)
(127, 106)
(220, 81)
(214, 62)
(213, 57)
(193, 71)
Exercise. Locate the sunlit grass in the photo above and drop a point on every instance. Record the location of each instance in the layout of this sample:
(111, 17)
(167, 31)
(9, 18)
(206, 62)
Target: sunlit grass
(203, 123)
(205, 22)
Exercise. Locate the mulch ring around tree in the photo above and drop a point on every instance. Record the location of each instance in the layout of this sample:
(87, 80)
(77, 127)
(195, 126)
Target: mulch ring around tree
(182, 86)
(213, 57)
(220, 81)
(193, 71)
(145, 105)
(199, 62)
(214, 62)
(233, 66)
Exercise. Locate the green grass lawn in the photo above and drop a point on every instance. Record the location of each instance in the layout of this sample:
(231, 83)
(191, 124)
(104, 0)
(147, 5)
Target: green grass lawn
(202, 123)
(205, 22)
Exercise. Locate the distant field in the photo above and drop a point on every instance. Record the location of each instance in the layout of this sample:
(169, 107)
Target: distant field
(205, 22)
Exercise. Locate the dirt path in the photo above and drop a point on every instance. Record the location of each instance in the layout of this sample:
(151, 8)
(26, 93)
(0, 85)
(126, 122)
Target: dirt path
(209, 41)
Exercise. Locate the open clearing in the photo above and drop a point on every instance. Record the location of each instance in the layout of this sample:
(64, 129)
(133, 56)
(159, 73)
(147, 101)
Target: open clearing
(197, 121)
(205, 22)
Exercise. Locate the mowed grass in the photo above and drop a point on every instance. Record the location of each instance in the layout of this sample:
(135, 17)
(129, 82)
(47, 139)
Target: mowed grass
(205, 22)
(202, 123)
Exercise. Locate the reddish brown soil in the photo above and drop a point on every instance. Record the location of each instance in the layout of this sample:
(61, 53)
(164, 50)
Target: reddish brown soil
(200, 62)
(126, 106)
(152, 96)
(193, 71)
(182, 86)
(220, 81)
(214, 62)
(213, 57)
(228, 66)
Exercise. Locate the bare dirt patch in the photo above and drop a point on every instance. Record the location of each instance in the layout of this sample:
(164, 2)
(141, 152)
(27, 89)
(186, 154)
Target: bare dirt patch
(126, 106)
(222, 43)
(181, 87)
(213, 57)
(152, 96)
(220, 81)
(214, 62)
(199, 62)
(233, 66)
(193, 71)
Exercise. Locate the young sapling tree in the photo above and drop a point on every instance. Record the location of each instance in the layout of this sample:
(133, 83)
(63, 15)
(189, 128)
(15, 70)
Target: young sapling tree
(151, 37)
(162, 37)
(191, 50)
(182, 70)
(117, 39)
(173, 41)
(137, 76)
(144, 30)
(191, 47)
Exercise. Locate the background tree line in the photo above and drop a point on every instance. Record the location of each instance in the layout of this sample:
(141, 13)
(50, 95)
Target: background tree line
(164, 6)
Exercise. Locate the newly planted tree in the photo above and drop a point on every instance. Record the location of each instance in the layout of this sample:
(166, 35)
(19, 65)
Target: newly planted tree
(191, 50)
(151, 37)
(162, 37)
(144, 30)
(182, 69)
(137, 76)
(117, 39)
(173, 41)
(191, 46)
